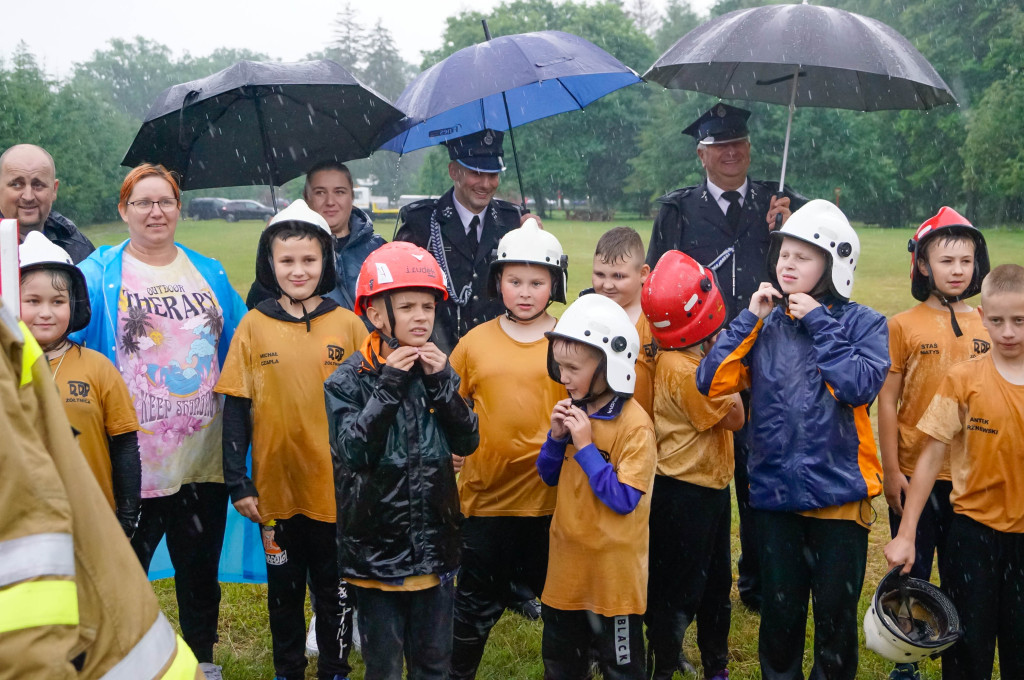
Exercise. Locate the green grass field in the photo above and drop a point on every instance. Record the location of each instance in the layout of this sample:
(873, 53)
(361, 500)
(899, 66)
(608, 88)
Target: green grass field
(514, 649)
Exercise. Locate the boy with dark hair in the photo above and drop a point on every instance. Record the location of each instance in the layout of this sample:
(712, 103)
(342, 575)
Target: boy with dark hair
(949, 259)
(280, 349)
(814, 361)
(596, 588)
(396, 418)
(619, 273)
(975, 422)
(691, 568)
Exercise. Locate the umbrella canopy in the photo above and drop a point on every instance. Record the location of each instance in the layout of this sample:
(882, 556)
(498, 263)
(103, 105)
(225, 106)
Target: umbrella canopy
(260, 123)
(541, 74)
(845, 61)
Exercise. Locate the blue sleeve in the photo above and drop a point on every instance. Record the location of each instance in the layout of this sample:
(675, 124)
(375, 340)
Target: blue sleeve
(622, 498)
(853, 358)
(723, 370)
(549, 462)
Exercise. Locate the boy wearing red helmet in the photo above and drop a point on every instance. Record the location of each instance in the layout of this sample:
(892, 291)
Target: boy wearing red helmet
(395, 418)
(691, 568)
(281, 348)
(948, 261)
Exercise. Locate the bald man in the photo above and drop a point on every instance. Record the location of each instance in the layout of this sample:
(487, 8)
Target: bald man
(28, 188)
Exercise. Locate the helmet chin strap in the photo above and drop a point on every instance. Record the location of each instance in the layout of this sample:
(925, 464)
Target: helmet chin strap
(945, 302)
(389, 340)
(590, 396)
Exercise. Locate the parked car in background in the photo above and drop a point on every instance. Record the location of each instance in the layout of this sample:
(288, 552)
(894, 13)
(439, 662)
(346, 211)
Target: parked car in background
(233, 211)
(205, 208)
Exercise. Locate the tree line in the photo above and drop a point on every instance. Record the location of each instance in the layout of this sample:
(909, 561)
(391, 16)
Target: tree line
(623, 151)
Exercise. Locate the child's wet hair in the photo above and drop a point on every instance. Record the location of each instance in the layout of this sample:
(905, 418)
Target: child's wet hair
(59, 279)
(619, 244)
(946, 240)
(290, 230)
(576, 346)
(1006, 278)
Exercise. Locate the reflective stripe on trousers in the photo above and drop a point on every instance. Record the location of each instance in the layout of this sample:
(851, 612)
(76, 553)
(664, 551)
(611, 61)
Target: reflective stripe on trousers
(151, 654)
(38, 603)
(50, 554)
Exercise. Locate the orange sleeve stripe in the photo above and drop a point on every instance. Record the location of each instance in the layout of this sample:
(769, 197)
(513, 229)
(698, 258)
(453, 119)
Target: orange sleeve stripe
(731, 375)
(867, 453)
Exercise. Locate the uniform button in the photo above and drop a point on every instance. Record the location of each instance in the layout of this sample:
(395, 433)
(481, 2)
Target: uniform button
(476, 297)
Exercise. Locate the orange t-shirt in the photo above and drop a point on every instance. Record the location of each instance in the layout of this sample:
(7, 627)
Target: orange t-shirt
(281, 367)
(690, 447)
(597, 560)
(644, 391)
(981, 416)
(923, 347)
(513, 395)
(98, 405)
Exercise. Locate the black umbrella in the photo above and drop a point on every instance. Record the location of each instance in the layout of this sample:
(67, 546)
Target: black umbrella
(802, 55)
(260, 123)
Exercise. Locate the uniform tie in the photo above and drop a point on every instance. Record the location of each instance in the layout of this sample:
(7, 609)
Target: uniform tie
(471, 236)
(732, 214)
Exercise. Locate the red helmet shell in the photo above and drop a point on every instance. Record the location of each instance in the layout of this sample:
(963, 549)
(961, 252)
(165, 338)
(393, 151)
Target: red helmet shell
(682, 302)
(398, 266)
(947, 222)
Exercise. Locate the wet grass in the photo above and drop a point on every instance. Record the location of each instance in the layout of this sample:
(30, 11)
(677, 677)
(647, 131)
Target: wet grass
(514, 649)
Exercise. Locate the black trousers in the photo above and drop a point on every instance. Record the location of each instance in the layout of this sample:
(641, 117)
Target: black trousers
(499, 554)
(415, 626)
(193, 520)
(300, 549)
(571, 637)
(825, 559)
(690, 575)
(986, 584)
(749, 583)
(932, 531)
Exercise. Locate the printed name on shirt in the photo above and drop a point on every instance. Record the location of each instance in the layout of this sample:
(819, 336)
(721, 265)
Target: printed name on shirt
(268, 358)
(621, 640)
(181, 306)
(929, 348)
(978, 425)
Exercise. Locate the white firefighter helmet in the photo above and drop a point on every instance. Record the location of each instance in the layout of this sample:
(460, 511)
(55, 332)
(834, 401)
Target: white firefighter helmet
(39, 252)
(600, 322)
(909, 619)
(529, 244)
(824, 225)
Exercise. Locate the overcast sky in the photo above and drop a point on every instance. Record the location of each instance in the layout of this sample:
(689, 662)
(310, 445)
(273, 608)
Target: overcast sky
(63, 32)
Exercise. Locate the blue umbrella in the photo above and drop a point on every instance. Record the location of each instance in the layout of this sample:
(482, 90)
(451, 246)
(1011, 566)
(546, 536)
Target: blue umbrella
(502, 83)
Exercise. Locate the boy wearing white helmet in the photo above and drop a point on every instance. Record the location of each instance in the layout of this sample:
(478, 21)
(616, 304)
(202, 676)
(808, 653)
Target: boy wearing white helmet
(55, 303)
(600, 455)
(503, 366)
(814, 363)
(281, 351)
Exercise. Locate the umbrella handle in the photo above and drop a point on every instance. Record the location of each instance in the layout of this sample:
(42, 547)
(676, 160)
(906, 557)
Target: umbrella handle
(778, 216)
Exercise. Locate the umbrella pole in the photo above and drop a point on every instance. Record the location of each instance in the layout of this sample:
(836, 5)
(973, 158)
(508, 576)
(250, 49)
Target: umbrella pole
(785, 148)
(267, 156)
(511, 136)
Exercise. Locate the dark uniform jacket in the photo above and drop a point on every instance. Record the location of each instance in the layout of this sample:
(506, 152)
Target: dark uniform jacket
(392, 436)
(690, 220)
(452, 321)
(63, 232)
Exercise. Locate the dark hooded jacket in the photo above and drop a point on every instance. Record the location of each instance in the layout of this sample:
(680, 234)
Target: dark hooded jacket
(64, 233)
(392, 436)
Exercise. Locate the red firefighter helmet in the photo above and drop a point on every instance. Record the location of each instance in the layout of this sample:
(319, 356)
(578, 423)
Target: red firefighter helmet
(682, 302)
(398, 266)
(947, 223)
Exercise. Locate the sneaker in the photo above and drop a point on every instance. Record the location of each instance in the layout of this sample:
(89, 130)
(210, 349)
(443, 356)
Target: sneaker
(211, 671)
(311, 647)
(905, 671)
(684, 664)
(528, 609)
(356, 642)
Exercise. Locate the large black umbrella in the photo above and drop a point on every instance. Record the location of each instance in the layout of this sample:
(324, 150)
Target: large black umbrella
(802, 55)
(260, 123)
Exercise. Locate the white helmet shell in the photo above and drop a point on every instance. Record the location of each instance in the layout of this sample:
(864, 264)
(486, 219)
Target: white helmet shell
(529, 244)
(39, 252)
(298, 211)
(882, 632)
(824, 225)
(600, 322)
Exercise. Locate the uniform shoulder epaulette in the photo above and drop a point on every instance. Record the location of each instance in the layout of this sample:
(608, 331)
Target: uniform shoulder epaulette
(508, 205)
(423, 203)
(674, 196)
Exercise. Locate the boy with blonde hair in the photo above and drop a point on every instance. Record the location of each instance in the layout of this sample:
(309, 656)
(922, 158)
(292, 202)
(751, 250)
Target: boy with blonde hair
(619, 274)
(976, 421)
(600, 455)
